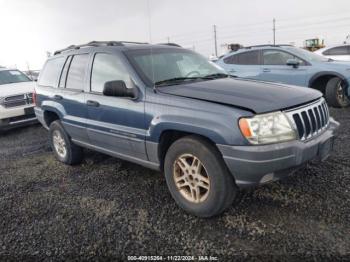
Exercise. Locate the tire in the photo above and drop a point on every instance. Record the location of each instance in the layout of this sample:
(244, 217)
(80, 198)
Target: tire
(62, 146)
(336, 93)
(209, 200)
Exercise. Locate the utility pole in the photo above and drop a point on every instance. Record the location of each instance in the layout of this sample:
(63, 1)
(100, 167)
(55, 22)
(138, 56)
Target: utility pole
(215, 42)
(29, 72)
(168, 39)
(274, 31)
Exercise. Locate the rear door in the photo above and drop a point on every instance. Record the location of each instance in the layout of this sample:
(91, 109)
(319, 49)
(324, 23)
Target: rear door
(275, 68)
(72, 97)
(115, 124)
(245, 64)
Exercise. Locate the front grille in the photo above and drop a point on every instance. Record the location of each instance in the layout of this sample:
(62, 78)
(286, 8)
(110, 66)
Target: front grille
(17, 100)
(310, 120)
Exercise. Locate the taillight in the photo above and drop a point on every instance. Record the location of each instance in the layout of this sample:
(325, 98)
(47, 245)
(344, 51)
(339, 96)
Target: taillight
(34, 98)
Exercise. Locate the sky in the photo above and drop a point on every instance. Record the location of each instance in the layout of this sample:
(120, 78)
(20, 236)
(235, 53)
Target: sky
(31, 28)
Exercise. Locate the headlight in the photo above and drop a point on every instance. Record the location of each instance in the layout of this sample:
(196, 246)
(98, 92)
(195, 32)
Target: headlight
(267, 128)
(2, 100)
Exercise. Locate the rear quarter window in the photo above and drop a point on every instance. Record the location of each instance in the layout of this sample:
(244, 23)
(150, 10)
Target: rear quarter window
(50, 74)
(77, 72)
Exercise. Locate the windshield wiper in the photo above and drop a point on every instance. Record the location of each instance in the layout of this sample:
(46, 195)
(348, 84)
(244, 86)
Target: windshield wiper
(176, 79)
(216, 76)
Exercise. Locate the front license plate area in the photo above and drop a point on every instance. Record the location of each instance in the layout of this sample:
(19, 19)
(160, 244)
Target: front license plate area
(325, 149)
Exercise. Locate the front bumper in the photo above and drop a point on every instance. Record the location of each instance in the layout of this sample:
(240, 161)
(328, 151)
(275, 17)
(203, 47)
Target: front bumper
(254, 165)
(17, 116)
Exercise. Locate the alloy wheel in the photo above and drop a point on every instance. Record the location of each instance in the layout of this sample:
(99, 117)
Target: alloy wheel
(59, 144)
(341, 93)
(191, 178)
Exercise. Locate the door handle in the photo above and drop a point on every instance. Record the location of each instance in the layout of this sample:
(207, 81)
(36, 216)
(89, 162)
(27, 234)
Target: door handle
(266, 70)
(232, 71)
(93, 103)
(57, 97)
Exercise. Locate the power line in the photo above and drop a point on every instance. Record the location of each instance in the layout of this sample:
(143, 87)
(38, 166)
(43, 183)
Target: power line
(177, 37)
(311, 17)
(319, 22)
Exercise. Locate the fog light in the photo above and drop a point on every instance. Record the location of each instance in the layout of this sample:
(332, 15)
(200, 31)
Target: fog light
(267, 178)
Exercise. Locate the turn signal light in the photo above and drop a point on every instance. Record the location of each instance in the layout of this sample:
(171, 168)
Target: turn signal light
(245, 129)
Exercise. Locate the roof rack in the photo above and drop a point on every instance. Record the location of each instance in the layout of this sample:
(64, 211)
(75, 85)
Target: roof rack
(170, 44)
(96, 44)
(267, 45)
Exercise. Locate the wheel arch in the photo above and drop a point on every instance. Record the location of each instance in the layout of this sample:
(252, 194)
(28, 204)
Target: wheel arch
(169, 136)
(320, 80)
(50, 115)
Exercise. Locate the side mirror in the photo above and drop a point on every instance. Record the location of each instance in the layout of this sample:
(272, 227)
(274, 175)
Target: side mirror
(118, 88)
(293, 62)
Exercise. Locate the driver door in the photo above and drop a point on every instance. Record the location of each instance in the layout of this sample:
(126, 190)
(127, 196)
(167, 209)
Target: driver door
(115, 124)
(275, 69)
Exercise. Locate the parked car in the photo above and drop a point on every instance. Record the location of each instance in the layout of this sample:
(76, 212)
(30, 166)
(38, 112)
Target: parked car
(169, 109)
(339, 52)
(32, 74)
(16, 102)
(291, 65)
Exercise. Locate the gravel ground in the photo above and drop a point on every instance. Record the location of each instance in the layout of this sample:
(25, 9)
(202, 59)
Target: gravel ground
(109, 209)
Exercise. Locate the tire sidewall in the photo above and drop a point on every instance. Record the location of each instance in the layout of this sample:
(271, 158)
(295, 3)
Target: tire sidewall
(332, 93)
(56, 125)
(215, 171)
(346, 102)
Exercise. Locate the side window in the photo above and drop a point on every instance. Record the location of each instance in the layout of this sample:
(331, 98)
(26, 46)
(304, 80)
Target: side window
(50, 75)
(77, 71)
(246, 58)
(64, 72)
(107, 67)
(249, 58)
(340, 50)
(231, 59)
(276, 57)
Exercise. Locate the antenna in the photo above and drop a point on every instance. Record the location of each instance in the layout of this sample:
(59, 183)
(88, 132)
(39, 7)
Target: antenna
(150, 40)
(215, 42)
(274, 31)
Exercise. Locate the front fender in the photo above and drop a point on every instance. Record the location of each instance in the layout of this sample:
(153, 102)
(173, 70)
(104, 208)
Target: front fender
(220, 131)
(324, 73)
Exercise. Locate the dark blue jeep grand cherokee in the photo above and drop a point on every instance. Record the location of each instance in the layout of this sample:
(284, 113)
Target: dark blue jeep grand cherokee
(169, 109)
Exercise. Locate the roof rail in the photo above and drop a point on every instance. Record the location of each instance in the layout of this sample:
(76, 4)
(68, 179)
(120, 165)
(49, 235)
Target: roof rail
(267, 45)
(96, 44)
(170, 44)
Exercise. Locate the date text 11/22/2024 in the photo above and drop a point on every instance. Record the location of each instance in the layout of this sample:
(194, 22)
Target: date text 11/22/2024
(172, 258)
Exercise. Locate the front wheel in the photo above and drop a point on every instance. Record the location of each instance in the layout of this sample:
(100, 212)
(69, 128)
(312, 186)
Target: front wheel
(336, 93)
(198, 178)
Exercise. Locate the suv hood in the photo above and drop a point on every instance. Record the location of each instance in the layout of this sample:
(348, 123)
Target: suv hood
(16, 88)
(259, 97)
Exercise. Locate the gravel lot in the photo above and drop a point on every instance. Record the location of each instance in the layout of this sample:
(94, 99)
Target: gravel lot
(110, 209)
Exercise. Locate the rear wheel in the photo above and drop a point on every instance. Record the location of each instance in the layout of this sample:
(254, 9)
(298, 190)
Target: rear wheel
(336, 93)
(198, 178)
(62, 146)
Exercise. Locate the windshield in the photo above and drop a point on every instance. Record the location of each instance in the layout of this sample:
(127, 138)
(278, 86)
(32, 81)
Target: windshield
(171, 65)
(307, 55)
(12, 76)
